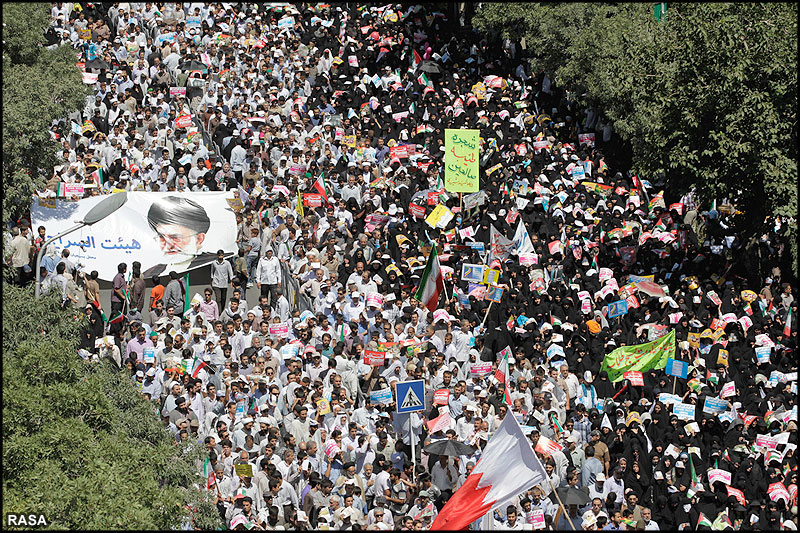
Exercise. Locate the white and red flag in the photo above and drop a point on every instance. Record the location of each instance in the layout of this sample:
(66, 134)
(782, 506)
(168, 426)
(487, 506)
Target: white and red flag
(507, 468)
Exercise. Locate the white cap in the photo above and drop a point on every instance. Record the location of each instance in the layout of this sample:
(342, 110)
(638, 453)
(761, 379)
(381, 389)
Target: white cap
(600, 477)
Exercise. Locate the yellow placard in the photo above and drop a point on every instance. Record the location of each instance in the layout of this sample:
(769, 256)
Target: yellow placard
(722, 357)
(694, 340)
(749, 296)
(461, 155)
(235, 203)
(323, 406)
(349, 140)
(491, 276)
(244, 470)
(439, 213)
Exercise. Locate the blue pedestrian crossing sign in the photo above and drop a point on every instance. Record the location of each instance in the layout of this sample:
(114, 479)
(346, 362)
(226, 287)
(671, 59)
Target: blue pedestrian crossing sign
(410, 396)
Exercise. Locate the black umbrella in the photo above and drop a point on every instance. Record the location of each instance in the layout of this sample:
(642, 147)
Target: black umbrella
(97, 63)
(451, 448)
(429, 67)
(573, 496)
(192, 65)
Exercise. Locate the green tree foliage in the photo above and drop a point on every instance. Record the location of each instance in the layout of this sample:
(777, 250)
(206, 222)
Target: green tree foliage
(39, 86)
(707, 97)
(80, 444)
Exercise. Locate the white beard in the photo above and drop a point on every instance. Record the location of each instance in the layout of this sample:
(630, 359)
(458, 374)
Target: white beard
(187, 254)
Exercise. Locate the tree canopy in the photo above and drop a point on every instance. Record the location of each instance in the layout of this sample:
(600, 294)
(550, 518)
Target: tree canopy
(80, 444)
(39, 85)
(706, 96)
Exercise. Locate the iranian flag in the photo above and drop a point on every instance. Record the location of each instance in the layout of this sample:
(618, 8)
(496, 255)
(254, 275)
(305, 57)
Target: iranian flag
(415, 60)
(694, 487)
(703, 520)
(208, 473)
(502, 373)
(197, 366)
(97, 176)
(507, 468)
(319, 186)
(116, 318)
(431, 286)
(424, 80)
(787, 329)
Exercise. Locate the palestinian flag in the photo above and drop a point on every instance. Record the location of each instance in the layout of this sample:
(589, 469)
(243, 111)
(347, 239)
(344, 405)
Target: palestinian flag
(116, 318)
(554, 320)
(771, 311)
(703, 520)
(503, 375)
(319, 186)
(431, 286)
(424, 80)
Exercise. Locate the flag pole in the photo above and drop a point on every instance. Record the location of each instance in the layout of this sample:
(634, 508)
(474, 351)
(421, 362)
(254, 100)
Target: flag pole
(413, 451)
(564, 509)
(487, 313)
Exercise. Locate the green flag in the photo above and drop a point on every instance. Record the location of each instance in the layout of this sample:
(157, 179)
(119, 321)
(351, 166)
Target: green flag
(641, 357)
(186, 303)
(693, 486)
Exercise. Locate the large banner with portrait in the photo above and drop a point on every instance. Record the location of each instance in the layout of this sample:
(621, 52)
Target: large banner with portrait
(163, 231)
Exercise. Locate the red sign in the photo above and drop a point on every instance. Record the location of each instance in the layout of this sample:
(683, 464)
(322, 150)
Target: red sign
(737, 493)
(183, 121)
(441, 397)
(400, 151)
(635, 377)
(374, 358)
(417, 210)
(433, 198)
(312, 200)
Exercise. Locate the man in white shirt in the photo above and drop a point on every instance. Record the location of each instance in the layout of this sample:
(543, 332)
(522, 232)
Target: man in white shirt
(444, 475)
(649, 523)
(268, 276)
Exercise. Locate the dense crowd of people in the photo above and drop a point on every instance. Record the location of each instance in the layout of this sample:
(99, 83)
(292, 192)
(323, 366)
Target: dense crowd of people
(281, 100)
